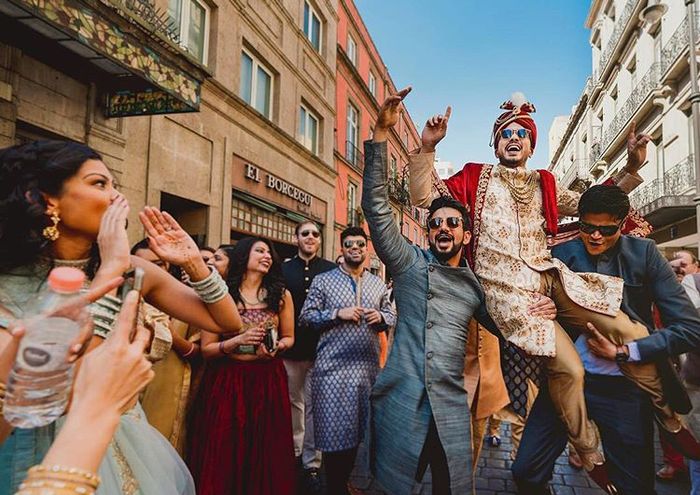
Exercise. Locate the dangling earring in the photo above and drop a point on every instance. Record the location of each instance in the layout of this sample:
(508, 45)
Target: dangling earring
(51, 232)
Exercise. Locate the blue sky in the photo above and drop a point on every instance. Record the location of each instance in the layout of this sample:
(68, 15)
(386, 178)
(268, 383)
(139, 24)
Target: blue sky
(475, 54)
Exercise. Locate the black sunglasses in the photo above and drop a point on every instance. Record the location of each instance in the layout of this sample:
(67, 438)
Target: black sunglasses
(508, 133)
(605, 230)
(452, 222)
(307, 233)
(348, 243)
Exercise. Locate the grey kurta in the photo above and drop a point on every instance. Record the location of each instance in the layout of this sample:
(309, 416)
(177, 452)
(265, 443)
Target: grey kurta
(423, 374)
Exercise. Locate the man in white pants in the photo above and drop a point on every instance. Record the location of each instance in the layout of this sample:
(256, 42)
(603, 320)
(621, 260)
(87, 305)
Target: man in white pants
(299, 272)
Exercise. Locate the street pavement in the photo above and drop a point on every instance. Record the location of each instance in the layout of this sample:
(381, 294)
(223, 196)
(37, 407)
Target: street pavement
(493, 475)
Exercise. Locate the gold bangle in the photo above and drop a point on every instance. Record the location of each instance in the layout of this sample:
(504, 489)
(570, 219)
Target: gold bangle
(65, 473)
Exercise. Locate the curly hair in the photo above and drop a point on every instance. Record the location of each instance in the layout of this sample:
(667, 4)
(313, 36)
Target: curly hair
(604, 199)
(27, 172)
(238, 257)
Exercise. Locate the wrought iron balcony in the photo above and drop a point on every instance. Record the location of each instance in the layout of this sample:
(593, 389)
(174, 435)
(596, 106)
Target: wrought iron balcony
(577, 176)
(128, 48)
(677, 44)
(639, 94)
(398, 191)
(672, 190)
(354, 155)
(355, 218)
(595, 153)
(620, 26)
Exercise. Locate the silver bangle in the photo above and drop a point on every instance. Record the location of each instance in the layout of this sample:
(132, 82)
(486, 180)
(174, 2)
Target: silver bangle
(211, 289)
(104, 313)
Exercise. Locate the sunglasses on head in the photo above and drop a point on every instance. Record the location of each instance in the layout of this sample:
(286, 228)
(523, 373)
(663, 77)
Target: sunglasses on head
(605, 230)
(348, 243)
(307, 233)
(508, 133)
(452, 222)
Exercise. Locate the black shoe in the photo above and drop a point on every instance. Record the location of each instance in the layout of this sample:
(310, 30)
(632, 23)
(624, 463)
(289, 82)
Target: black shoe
(312, 481)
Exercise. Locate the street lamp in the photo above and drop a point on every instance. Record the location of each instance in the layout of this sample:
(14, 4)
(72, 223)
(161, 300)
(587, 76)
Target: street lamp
(652, 14)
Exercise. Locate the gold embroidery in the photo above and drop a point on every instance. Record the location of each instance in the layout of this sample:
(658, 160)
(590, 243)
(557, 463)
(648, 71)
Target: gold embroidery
(129, 484)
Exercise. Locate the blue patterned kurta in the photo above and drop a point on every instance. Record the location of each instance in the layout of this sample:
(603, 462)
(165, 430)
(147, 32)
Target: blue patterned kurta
(347, 357)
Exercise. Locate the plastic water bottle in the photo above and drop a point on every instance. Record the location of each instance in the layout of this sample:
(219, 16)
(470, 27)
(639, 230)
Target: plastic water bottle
(40, 381)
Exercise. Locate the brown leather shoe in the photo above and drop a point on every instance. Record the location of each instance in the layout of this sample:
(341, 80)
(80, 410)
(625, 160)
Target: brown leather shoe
(599, 474)
(669, 473)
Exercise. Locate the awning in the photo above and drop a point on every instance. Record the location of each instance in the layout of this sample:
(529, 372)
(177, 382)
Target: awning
(129, 41)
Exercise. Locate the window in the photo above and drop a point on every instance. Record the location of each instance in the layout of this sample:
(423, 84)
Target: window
(256, 84)
(251, 219)
(308, 129)
(353, 135)
(372, 84)
(312, 26)
(352, 50)
(613, 95)
(405, 139)
(632, 68)
(191, 18)
(353, 218)
(393, 168)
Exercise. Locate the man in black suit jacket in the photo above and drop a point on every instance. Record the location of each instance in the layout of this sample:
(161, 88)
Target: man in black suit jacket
(622, 411)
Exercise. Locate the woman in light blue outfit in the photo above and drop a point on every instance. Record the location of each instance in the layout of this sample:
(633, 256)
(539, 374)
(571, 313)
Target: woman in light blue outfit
(55, 198)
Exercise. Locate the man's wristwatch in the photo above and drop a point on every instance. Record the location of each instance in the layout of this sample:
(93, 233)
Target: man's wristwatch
(621, 356)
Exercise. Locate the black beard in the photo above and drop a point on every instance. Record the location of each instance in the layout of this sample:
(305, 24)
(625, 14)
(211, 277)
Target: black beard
(352, 263)
(444, 257)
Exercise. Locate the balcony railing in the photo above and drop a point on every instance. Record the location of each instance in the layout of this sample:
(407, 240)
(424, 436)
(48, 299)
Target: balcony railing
(398, 191)
(620, 26)
(677, 181)
(578, 170)
(355, 218)
(354, 155)
(639, 94)
(145, 11)
(677, 44)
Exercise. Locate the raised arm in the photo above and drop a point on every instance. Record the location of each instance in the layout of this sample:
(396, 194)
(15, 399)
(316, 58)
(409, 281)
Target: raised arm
(420, 164)
(391, 246)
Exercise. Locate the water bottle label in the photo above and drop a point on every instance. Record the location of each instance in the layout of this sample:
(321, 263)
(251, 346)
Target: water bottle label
(45, 347)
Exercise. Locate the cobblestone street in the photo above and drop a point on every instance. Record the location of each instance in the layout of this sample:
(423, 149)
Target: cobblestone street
(494, 478)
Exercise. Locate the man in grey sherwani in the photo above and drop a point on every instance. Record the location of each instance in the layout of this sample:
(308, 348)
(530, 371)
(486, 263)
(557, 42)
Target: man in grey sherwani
(420, 415)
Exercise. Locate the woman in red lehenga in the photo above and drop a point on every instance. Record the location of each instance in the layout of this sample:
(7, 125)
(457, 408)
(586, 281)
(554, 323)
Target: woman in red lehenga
(241, 425)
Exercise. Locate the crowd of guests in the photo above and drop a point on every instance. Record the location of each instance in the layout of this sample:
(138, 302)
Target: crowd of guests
(234, 372)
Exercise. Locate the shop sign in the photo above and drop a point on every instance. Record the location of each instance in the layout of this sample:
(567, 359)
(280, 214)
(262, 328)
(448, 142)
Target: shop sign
(281, 186)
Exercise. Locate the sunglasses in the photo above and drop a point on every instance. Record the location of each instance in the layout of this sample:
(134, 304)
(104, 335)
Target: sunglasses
(452, 222)
(605, 230)
(307, 233)
(348, 243)
(508, 133)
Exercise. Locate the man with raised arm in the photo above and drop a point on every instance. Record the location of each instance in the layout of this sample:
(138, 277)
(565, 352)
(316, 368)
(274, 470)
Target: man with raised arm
(514, 210)
(420, 414)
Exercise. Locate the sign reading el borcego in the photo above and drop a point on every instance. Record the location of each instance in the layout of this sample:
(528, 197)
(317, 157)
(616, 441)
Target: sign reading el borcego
(253, 173)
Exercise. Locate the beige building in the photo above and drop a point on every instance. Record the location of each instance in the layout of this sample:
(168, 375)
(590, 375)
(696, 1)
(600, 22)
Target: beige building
(640, 73)
(247, 89)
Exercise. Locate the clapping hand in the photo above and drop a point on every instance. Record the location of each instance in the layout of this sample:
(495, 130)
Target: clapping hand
(372, 316)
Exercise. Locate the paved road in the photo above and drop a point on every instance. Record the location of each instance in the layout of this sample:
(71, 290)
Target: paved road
(493, 476)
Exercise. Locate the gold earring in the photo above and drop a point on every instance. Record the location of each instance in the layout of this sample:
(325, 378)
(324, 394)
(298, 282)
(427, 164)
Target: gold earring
(51, 232)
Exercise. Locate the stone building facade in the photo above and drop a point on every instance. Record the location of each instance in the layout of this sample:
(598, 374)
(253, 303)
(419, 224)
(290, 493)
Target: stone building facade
(213, 121)
(362, 83)
(640, 73)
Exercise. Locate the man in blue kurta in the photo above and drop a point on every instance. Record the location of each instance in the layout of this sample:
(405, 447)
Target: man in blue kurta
(420, 414)
(348, 306)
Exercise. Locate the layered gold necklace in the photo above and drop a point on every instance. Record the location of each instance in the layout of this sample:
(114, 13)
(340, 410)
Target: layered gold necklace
(522, 192)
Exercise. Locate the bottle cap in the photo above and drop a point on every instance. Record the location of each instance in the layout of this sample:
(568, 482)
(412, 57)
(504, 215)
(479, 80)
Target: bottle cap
(66, 279)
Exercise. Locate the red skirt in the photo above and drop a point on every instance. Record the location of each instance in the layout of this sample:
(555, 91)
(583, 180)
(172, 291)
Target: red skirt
(241, 430)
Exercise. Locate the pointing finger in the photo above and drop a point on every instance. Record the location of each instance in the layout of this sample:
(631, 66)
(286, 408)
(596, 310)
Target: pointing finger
(404, 92)
(448, 113)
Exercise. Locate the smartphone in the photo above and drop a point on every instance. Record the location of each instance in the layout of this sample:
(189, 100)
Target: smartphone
(270, 338)
(133, 280)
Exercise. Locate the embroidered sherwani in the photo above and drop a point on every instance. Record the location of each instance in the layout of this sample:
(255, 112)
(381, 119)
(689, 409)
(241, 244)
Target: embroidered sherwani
(510, 249)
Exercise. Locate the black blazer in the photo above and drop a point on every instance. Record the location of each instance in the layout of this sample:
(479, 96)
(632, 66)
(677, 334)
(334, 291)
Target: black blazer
(649, 280)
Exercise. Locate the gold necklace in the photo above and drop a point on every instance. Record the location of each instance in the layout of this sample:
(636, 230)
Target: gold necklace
(261, 292)
(521, 193)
